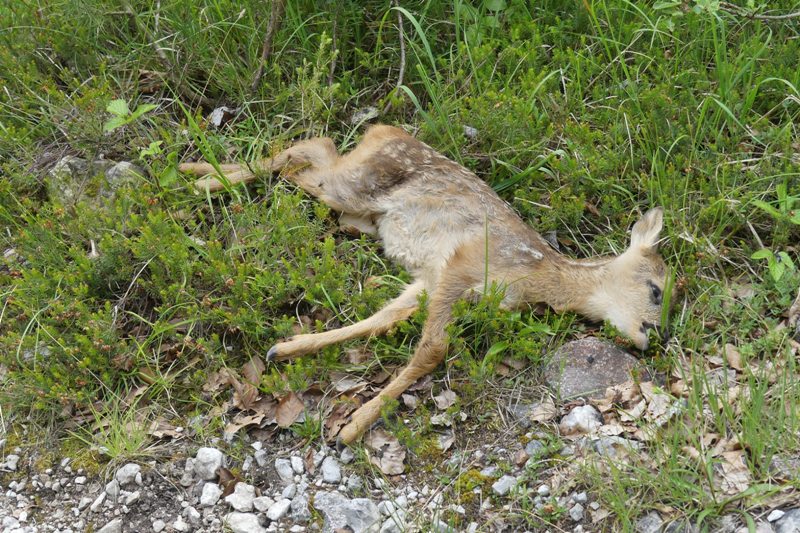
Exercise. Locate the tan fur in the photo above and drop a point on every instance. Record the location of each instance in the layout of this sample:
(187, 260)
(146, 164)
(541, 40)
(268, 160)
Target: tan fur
(453, 233)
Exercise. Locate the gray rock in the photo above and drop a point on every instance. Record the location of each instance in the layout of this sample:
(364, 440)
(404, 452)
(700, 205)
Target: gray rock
(127, 474)
(210, 495)
(284, 469)
(543, 490)
(359, 514)
(789, 522)
(364, 114)
(331, 471)
(242, 497)
(347, 456)
(576, 513)
(535, 448)
(84, 503)
(193, 516)
(158, 526)
(786, 467)
(122, 174)
(300, 511)
(615, 447)
(354, 483)
(649, 523)
(581, 497)
(586, 367)
(115, 526)
(289, 491)
(112, 489)
(206, 463)
(582, 419)
(261, 458)
(243, 523)
(470, 132)
(504, 484)
(775, 514)
(279, 509)
(297, 465)
(132, 497)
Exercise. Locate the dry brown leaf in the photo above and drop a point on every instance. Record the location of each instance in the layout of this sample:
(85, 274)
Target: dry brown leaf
(422, 384)
(239, 421)
(227, 480)
(216, 380)
(544, 411)
(446, 440)
(516, 364)
(308, 461)
(733, 357)
(343, 382)
(734, 477)
(388, 454)
(246, 392)
(634, 413)
(160, 429)
(289, 408)
(445, 399)
(337, 418)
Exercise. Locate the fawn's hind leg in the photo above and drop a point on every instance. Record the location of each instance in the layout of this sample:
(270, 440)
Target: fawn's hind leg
(398, 309)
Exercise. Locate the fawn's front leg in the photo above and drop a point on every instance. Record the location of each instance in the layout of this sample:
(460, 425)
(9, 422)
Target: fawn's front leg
(398, 309)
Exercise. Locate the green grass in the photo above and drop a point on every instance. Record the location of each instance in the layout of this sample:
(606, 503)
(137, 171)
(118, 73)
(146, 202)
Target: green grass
(586, 113)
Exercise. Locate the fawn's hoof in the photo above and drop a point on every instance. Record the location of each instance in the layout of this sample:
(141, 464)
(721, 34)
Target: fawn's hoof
(272, 353)
(340, 444)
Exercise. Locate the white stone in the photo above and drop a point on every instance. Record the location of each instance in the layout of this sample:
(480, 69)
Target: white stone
(97, 502)
(503, 485)
(279, 509)
(331, 471)
(206, 463)
(262, 503)
(543, 490)
(127, 474)
(284, 469)
(115, 526)
(347, 456)
(776, 514)
(210, 495)
(582, 419)
(242, 497)
(289, 491)
(243, 523)
(576, 513)
(180, 525)
(297, 465)
(158, 526)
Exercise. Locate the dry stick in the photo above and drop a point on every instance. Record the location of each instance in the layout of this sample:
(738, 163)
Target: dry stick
(184, 90)
(275, 19)
(402, 71)
(334, 54)
(736, 10)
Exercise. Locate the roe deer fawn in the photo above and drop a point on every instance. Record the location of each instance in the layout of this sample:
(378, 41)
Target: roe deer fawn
(455, 236)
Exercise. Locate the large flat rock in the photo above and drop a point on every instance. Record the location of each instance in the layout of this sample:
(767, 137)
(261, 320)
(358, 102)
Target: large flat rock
(586, 367)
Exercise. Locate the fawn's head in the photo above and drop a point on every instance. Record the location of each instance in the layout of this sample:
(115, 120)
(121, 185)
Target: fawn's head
(632, 295)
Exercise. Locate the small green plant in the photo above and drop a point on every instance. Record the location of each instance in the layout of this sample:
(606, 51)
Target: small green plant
(777, 263)
(123, 115)
(788, 206)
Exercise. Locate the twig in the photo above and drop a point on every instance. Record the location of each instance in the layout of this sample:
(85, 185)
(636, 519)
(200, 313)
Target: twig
(171, 72)
(737, 10)
(402, 70)
(275, 19)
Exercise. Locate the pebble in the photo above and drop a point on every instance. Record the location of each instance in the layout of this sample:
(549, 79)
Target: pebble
(206, 463)
(12, 460)
(244, 523)
(115, 526)
(284, 469)
(582, 419)
(289, 491)
(279, 509)
(331, 471)
(297, 465)
(649, 523)
(777, 514)
(543, 490)
(180, 525)
(127, 474)
(242, 497)
(98, 502)
(503, 485)
(576, 513)
(159, 525)
(347, 456)
(261, 457)
(112, 489)
(210, 495)
(262, 503)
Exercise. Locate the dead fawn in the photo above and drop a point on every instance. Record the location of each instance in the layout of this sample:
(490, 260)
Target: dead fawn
(456, 237)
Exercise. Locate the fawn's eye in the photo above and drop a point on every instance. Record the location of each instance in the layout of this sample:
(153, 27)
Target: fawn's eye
(655, 293)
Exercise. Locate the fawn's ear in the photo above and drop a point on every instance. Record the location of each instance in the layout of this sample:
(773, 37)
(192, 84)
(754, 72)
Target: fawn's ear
(646, 230)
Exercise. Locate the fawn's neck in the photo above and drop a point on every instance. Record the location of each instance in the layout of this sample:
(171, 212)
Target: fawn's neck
(571, 284)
